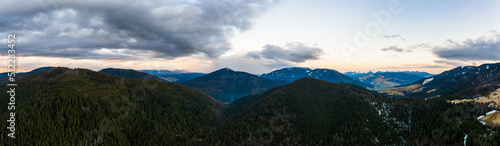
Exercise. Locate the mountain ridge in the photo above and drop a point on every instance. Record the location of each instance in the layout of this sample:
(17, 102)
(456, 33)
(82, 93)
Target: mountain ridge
(227, 85)
(295, 73)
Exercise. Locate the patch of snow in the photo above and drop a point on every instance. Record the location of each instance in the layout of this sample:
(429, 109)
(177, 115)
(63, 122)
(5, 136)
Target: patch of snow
(479, 118)
(487, 67)
(465, 140)
(493, 111)
(461, 66)
(427, 81)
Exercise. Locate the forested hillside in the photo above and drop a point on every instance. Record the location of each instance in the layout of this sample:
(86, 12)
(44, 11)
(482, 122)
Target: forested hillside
(228, 85)
(82, 107)
(458, 83)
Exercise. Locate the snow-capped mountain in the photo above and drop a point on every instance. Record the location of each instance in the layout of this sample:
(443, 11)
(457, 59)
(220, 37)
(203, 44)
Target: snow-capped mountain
(295, 73)
(460, 82)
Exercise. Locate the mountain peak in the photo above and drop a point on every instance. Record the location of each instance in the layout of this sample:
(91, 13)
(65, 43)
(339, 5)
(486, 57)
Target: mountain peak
(227, 85)
(225, 69)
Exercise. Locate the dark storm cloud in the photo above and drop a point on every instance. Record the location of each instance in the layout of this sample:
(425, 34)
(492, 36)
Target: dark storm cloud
(172, 28)
(482, 48)
(395, 48)
(394, 36)
(294, 52)
(449, 62)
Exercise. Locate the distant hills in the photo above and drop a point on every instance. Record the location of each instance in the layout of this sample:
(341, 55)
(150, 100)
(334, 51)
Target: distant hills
(416, 73)
(295, 73)
(383, 80)
(227, 85)
(458, 83)
(173, 76)
(23, 74)
(131, 74)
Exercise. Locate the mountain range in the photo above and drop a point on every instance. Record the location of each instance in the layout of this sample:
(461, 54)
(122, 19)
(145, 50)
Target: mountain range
(383, 80)
(62, 106)
(174, 76)
(458, 83)
(131, 74)
(295, 73)
(228, 85)
(19, 75)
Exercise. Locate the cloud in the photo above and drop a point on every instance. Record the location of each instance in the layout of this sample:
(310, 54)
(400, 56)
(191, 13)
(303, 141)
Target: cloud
(423, 65)
(294, 52)
(450, 62)
(482, 48)
(128, 29)
(420, 46)
(394, 36)
(395, 48)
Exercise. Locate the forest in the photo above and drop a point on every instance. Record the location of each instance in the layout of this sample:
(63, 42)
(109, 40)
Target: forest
(66, 106)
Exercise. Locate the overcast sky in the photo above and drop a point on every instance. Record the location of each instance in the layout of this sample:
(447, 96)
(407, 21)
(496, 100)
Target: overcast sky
(256, 36)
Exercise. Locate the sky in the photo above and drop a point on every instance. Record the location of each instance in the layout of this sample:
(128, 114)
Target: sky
(255, 36)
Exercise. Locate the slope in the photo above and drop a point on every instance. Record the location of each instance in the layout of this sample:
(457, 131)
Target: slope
(461, 82)
(308, 112)
(174, 76)
(227, 85)
(82, 107)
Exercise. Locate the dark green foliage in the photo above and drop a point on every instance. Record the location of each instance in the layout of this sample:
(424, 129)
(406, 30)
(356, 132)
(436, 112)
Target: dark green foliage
(64, 106)
(436, 122)
(82, 107)
(308, 111)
